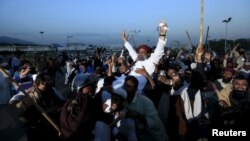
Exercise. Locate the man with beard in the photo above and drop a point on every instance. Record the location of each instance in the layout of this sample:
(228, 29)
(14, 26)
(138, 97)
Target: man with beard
(234, 106)
(239, 62)
(190, 109)
(245, 71)
(141, 109)
(227, 77)
(77, 118)
(144, 57)
(43, 94)
(238, 90)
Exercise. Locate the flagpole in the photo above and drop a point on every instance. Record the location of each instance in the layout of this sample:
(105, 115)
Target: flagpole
(201, 21)
(200, 49)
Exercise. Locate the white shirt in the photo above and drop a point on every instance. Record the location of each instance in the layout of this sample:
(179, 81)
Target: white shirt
(149, 64)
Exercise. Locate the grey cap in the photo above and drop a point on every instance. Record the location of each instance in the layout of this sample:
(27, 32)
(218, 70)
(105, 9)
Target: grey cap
(121, 92)
(85, 85)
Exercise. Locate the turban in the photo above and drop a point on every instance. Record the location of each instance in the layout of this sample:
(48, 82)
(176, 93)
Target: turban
(229, 70)
(145, 47)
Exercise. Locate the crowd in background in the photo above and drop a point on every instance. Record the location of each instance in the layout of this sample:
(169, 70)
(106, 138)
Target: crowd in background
(149, 94)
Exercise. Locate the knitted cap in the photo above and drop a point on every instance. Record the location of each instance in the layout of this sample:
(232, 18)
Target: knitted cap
(229, 70)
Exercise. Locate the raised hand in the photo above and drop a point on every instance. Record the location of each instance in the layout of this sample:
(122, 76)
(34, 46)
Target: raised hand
(110, 63)
(179, 53)
(198, 53)
(113, 57)
(121, 60)
(163, 28)
(142, 71)
(124, 36)
(163, 79)
(235, 47)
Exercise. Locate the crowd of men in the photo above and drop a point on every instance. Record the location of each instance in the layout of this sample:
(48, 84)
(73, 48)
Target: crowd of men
(150, 95)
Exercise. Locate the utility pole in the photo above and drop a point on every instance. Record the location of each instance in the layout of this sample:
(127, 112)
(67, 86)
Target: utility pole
(68, 37)
(41, 32)
(226, 21)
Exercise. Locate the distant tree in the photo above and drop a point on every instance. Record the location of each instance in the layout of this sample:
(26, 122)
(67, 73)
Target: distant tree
(244, 43)
(218, 45)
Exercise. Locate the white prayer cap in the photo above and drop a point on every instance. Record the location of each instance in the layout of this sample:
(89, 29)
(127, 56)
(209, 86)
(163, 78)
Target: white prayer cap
(247, 63)
(193, 66)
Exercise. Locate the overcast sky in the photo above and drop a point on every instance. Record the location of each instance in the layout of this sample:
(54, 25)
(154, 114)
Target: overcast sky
(102, 21)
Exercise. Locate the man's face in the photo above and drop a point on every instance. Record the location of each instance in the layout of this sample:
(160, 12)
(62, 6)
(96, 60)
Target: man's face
(240, 85)
(227, 76)
(207, 56)
(116, 103)
(129, 86)
(88, 90)
(83, 68)
(187, 76)
(42, 86)
(171, 72)
(168, 52)
(247, 67)
(229, 64)
(240, 89)
(25, 70)
(142, 54)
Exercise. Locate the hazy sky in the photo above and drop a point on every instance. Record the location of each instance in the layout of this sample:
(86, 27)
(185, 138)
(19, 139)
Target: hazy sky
(102, 21)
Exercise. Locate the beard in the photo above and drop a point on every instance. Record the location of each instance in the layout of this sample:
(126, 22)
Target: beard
(226, 80)
(237, 94)
(142, 57)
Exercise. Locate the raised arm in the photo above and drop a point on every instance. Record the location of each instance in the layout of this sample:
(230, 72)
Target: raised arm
(159, 50)
(233, 51)
(198, 53)
(129, 47)
(145, 73)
